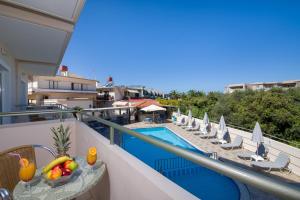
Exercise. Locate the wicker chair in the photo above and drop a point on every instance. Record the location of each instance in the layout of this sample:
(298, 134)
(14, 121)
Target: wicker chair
(9, 165)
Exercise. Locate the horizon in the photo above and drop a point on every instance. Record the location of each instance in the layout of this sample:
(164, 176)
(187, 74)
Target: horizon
(184, 45)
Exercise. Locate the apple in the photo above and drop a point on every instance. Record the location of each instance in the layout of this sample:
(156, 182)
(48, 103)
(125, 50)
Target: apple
(66, 164)
(73, 166)
(70, 164)
(57, 167)
(66, 172)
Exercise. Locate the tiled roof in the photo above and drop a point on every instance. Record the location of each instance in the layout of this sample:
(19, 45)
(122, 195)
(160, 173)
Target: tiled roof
(142, 103)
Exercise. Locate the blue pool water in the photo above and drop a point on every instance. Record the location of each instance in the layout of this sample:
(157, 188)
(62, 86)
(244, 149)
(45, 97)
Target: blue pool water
(201, 182)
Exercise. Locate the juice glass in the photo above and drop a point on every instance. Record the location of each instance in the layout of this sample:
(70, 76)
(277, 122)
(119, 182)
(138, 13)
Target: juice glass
(27, 171)
(91, 156)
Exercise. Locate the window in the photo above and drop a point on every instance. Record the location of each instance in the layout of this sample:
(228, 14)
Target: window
(75, 86)
(84, 87)
(53, 84)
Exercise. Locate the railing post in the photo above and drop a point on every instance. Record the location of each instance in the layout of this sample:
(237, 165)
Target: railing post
(111, 135)
(60, 116)
(80, 116)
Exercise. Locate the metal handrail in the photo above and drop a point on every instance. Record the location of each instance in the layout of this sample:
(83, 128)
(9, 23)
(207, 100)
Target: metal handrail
(51, 151)
(4, 194)
(274, 186)
(25, 113)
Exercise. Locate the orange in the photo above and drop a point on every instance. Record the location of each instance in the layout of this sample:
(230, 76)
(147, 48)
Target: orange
(92, 151)
(24, 162)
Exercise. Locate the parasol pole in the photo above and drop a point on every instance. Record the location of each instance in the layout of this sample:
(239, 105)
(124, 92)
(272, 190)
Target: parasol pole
(153, 117)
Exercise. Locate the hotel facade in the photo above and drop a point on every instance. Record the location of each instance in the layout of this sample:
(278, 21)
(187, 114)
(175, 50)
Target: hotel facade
(262, 86)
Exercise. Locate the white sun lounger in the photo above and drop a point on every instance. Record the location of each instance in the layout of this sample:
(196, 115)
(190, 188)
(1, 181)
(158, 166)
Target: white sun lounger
(280, 163)
(262, 151)
(237, 143)
(181, 121)
(212, 134)
(195, 128)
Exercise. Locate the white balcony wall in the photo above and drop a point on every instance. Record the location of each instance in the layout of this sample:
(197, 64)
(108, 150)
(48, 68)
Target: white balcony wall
(127, 177)
(13, 135)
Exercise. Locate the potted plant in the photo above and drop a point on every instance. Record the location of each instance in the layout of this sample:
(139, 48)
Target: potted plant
(77, 109)
(62, 142)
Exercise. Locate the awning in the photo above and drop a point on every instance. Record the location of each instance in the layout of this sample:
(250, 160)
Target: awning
(153, 108)
(133, 91)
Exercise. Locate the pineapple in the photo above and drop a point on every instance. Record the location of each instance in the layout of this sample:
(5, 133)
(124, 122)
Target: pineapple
(61, 137)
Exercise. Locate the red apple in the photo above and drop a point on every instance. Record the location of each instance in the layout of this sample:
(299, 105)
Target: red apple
(66, 164)
(57, 167)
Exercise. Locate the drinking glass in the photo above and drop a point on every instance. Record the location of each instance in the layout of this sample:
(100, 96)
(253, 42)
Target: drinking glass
(27, 171)
(91, 156)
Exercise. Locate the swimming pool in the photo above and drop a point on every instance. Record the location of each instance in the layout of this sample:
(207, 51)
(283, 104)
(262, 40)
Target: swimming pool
(200, 181)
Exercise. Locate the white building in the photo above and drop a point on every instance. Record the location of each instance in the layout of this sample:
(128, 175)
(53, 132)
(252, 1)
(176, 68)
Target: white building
(66, 89)
(262, 86)
(33, 38)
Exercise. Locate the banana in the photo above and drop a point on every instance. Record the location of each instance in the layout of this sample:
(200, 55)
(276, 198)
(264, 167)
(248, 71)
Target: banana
(55, 162)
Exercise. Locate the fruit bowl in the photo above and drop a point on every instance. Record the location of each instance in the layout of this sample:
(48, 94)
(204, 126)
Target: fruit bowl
(60, 181)
(60, 171)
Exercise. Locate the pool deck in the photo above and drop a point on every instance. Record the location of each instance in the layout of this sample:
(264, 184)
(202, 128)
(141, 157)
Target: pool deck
(229, 156)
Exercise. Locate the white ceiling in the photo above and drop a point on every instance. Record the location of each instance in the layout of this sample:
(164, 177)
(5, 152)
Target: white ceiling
(32, 42)
(63, 8)
(36, 32)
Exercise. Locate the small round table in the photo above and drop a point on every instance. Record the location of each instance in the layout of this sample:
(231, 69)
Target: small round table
(79, 184)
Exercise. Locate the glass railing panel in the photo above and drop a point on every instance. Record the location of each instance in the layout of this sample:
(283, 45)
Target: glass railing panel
(38, 115)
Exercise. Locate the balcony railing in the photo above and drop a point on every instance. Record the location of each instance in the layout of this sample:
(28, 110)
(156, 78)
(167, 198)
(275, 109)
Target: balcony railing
(276, 187)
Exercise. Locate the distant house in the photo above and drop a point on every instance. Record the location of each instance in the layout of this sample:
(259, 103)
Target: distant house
(66, 89)
(262, 86)
(109, 93)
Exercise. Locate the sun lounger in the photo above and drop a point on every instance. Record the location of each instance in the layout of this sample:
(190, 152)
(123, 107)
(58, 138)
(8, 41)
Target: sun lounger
(181, 121)
(195, 128)
(237, 143)
(280, 163)
(187, 125)
(225, 139)
(212, 134)
(218, 141)
(262, 151)
(205, 129)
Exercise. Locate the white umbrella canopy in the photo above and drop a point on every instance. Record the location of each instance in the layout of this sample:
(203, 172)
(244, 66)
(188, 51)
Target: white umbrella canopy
(178, 112)
(222, 128)
(257, 135)
(190, 118)
(153, 108)
(205, 119)
(222, 124)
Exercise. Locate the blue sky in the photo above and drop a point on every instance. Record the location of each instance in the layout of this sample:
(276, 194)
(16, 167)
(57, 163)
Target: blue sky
(186, 44)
